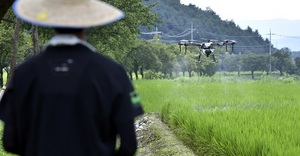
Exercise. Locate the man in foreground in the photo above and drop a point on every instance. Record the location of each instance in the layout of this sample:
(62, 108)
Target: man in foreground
(69, 100)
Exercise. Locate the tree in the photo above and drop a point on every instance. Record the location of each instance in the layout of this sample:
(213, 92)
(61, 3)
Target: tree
(5, 48)
(150, 58)
(182, 61)
(165, 54)
(210, 68)
(190, 64)
(254, 62)
(22, 47)
(143, 56)
(291, 67)
(135, 57)
(15, 41)
(35, 40)
(282, 59)
(229, 63)
(297, 62)
(200, 69)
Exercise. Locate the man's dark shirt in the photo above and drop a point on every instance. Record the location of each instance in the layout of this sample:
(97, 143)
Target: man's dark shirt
(68, 100)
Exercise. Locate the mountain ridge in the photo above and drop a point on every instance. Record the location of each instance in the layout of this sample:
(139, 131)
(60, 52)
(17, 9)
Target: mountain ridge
(178, 18)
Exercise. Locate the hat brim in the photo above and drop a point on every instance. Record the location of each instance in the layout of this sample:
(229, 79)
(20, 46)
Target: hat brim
(80, 15)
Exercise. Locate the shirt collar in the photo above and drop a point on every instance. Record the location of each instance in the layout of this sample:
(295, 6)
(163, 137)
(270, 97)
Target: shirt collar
(68, 39)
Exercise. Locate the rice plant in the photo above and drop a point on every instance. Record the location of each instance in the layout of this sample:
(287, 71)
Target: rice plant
(224, 117)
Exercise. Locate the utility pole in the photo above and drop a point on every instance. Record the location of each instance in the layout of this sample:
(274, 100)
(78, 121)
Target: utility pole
(270, 51)
(192, 32)
(156, 30)
(239, 64)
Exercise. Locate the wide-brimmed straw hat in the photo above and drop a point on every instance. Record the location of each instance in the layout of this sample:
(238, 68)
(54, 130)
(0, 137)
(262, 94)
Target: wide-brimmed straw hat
(67, 13)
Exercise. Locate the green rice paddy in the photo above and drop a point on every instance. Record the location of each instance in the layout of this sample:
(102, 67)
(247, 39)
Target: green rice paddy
(229, 117)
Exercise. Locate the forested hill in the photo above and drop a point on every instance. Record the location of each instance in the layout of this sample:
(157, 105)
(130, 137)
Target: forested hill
(177, 20)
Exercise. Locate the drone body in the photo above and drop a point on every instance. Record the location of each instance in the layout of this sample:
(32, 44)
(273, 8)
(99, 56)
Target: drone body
(206, 48)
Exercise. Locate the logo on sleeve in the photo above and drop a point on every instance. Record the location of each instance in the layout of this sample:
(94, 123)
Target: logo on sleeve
(135, 99)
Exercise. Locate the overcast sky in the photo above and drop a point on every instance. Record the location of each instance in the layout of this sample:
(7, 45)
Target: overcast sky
(238, 10)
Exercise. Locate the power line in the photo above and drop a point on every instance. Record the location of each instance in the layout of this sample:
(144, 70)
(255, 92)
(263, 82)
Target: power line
(177, 36)
(152, 33)
(287, 36)
(188, 31)
(185, 31)
(253, 46)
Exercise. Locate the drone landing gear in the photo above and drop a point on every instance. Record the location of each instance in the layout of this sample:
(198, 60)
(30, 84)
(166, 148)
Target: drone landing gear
(214, 58)
(198, 57)
(210, 52)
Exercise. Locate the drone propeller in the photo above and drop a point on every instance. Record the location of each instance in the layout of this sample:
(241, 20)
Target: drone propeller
(216, 42)
(229, 42)
(183, 42)
(210, 40)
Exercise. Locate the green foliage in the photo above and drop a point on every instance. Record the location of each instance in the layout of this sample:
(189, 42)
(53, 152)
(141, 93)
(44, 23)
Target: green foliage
(282, 59)
(116, 39)
(297, 62)
(254, 62)
(229, 62)
(150, 74)
(24, 48)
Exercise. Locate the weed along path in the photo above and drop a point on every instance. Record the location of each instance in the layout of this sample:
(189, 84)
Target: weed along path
(156, 139)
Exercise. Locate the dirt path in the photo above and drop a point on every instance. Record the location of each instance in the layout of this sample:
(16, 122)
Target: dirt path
(156, 139)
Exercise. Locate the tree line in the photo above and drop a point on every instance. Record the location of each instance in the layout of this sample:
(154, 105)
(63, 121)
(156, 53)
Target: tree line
(162, 60)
